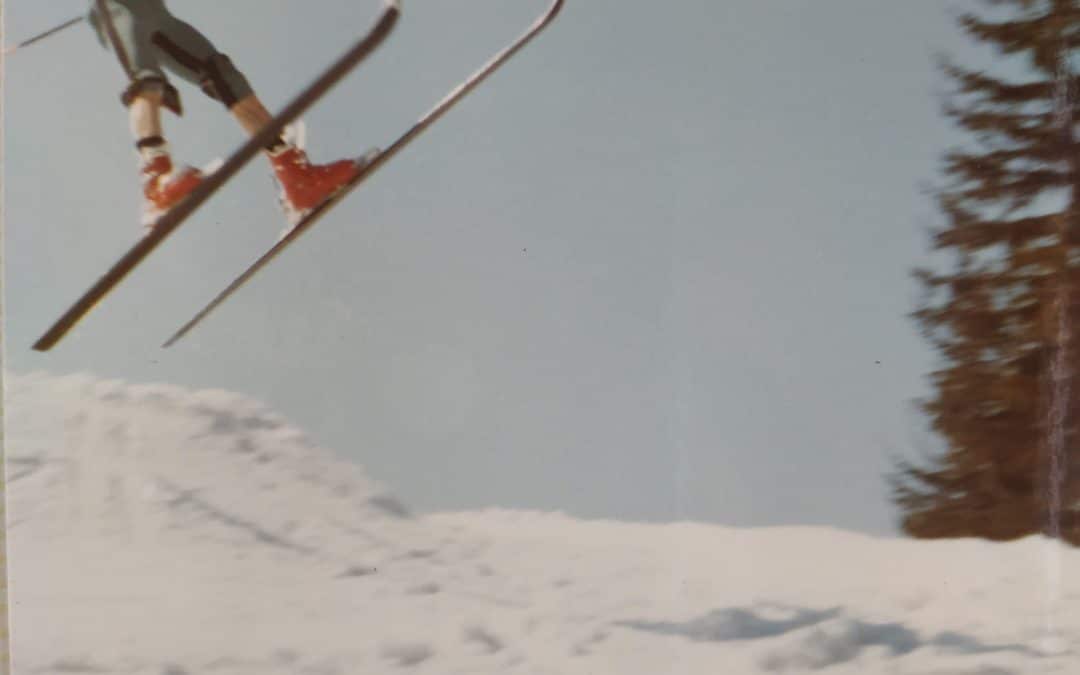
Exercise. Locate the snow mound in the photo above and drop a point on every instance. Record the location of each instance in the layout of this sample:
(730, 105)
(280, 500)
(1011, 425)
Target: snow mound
(87, 455)
(156, 530)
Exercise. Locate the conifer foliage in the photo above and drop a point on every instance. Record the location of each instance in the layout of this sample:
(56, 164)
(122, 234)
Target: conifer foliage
(1005, 315)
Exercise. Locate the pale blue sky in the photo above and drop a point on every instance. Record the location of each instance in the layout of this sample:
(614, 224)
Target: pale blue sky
(657, 268)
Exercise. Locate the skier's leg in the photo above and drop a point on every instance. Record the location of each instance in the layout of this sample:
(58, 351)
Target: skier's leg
(186, 51)
(163, 185)
(126, 31)
(144, 116)
(190, 54)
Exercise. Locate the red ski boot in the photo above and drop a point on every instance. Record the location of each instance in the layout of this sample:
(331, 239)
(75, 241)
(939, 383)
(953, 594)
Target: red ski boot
(164, 187)
(305, 185)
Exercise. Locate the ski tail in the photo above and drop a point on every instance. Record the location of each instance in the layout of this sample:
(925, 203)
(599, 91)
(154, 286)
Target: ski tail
(175, 217)
(415, 130)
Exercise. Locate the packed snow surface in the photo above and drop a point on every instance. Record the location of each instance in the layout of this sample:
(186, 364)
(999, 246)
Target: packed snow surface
(159, 530)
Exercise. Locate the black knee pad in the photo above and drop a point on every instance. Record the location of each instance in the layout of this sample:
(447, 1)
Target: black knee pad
(221, 80)
(170, 98)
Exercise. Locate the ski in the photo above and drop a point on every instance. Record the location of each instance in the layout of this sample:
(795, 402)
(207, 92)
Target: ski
(171, 220)
(322, 209)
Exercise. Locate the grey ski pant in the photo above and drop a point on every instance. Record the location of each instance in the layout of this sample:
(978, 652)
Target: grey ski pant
(151, 38)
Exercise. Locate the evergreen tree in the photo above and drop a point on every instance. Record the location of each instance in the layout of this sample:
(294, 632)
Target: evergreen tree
(1005, 316)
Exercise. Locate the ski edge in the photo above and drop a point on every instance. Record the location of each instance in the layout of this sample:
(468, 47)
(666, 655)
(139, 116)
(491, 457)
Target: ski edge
(424, 122)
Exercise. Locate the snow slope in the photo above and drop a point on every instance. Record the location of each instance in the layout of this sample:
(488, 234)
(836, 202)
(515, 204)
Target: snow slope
(157, 530)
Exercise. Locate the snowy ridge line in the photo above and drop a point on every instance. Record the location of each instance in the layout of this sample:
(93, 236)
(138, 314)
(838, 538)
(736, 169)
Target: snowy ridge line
(151, 450)
(188, 497)
(123, 518)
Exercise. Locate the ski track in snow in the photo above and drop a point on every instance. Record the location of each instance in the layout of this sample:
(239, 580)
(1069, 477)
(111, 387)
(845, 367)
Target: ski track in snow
(162, 531)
